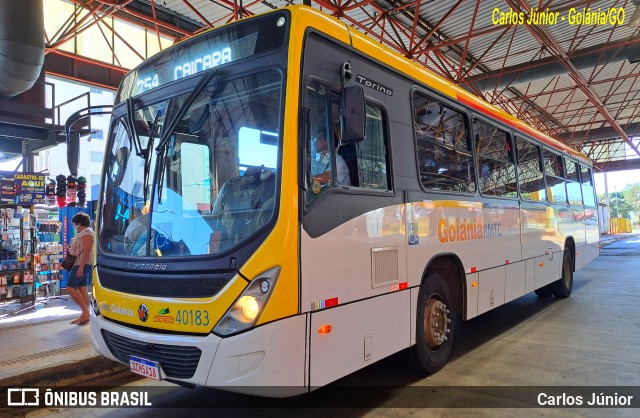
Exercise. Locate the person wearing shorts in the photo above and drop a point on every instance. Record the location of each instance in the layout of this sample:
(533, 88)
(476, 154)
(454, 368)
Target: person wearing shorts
(80, 275)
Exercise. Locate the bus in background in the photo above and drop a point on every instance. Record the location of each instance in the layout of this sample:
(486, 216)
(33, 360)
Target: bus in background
(284, 202)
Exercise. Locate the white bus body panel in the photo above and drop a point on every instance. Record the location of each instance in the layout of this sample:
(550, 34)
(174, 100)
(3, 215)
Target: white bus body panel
(591, 249)
(491, 289)
(547, 269)
(274, 366)
(362, 333)
(338, 264)
(500, 241)
(516, 281)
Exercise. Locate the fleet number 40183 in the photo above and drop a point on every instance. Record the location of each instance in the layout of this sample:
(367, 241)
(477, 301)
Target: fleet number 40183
(192, 317)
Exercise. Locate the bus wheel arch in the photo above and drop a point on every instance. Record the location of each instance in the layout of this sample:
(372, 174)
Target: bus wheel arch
(439, 301)
(451, 269)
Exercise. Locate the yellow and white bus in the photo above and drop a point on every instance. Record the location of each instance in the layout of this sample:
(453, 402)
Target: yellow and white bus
(285, 201)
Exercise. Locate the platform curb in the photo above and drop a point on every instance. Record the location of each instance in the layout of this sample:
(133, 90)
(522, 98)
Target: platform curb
(611, 240)
(67, 374)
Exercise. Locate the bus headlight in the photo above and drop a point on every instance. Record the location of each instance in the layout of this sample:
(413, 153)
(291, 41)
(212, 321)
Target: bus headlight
(250, 307)
(247, 309)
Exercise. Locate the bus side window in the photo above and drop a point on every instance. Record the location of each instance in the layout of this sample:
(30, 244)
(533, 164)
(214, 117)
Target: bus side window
(554, 172)
(443, 146)
(530, 176)
(587, 186)
(495, 161)
(321, 147)
(371, 153)
(573, 183)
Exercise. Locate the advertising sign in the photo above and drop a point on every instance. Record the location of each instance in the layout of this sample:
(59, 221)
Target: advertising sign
(21, 188)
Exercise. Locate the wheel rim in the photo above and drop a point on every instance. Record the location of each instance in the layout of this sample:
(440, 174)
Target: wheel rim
(436, 323)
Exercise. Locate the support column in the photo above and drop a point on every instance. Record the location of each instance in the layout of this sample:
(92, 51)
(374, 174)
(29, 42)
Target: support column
(606, 190)
(29, 163)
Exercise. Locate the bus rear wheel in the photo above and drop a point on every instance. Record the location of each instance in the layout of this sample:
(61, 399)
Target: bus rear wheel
(434, 328)
(562, 288)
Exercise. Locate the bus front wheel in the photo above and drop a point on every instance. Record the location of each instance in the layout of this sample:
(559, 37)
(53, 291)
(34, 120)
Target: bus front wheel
(434, 327)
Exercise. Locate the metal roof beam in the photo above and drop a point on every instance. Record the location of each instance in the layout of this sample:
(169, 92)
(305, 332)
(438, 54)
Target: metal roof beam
(599, 134)
(542, 35)
(623, 165)
(550, 67)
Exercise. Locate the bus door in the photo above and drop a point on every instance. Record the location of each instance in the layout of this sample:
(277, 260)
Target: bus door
(353, 232)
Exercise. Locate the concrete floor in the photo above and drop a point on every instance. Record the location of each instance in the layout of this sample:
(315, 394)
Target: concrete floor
(590, 339)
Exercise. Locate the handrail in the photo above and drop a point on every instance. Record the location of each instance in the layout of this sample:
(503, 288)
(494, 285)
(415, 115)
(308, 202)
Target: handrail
(73, 99)
(73, 140)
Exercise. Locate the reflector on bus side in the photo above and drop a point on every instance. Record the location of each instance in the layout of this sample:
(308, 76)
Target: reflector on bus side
(325, 329)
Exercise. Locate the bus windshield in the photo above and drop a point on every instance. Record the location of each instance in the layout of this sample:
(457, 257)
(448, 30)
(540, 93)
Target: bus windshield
(205, 186)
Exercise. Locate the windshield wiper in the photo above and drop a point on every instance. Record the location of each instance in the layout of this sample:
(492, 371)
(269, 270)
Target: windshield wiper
(167, 131)
(163, 145)
(147, 152)
(137, 144)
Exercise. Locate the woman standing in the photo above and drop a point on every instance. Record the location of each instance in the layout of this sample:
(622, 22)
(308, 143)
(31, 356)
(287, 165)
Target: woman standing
(80, 275)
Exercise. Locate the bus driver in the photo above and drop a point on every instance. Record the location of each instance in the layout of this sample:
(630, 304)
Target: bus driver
(321, 164)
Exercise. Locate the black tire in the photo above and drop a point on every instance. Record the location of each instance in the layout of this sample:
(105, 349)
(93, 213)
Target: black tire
(544, 291)
(562, 288)
(429, 355)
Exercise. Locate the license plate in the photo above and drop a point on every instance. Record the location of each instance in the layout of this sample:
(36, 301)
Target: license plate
(144, 367)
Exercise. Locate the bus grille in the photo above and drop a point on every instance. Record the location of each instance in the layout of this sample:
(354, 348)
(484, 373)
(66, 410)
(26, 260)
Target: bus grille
(160, 286)
(176, 361)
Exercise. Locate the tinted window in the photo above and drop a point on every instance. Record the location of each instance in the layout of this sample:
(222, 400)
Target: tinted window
(371, 153)
(530, 175)
(587, 186)
(554, 171)
(497, 172)
(444, 151)
(363, 164)
(322, 145)
(574, 191)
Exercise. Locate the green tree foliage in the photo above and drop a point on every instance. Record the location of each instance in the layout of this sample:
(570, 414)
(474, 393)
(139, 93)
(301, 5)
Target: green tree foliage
(631, 195)
(618, 206)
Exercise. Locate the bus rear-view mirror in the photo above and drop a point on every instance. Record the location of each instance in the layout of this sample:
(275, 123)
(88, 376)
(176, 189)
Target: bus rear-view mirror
(353, 114)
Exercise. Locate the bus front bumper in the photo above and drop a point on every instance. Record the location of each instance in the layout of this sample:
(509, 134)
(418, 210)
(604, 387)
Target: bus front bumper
(267, 361)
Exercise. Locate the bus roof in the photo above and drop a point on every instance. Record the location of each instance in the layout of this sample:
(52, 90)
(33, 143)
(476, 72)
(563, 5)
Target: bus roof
(413, 70)
(435, 81)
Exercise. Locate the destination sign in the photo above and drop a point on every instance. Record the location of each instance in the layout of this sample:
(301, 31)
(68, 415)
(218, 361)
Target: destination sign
(218, 47)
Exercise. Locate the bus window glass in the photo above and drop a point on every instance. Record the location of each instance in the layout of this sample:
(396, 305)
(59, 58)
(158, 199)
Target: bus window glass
(442, 140)
(211, 193)
(371, 153)
(195, 177)
(587, 186)
(554, 171)
(495, 161)
(530, 175)
(322, 145)
(256, 148)
(574, 192)
(123, 199)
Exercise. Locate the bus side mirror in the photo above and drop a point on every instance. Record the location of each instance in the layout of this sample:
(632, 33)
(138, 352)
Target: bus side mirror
(353, 114)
